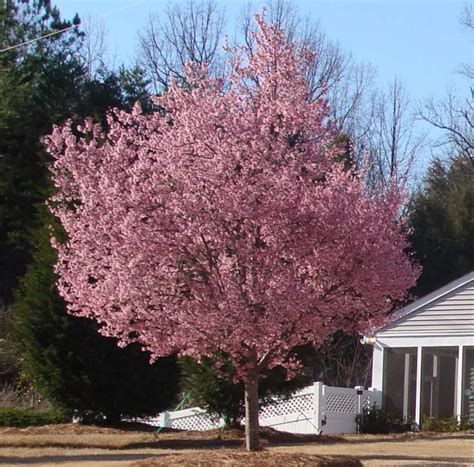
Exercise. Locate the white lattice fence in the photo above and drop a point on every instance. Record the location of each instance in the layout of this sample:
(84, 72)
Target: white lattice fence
(295, 414)
(195, 419)
(300, 402)
(341, 403)
(314, 409)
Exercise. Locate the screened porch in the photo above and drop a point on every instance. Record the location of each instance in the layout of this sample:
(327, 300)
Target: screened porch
(429, 382)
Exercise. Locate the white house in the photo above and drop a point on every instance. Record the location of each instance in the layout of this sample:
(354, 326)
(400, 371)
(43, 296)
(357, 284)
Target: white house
(424, 358)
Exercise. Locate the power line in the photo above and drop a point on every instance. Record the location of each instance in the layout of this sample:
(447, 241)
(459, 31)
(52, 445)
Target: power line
(31, 41)
(60, 31)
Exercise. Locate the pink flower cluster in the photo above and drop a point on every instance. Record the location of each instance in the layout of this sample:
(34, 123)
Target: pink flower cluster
(226, 220)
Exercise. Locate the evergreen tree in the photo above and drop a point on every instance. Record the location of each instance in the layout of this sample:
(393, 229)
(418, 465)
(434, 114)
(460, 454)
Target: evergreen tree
(38, 87)
(442, 216)
(70, 363)
(42, 84)
(211, 384)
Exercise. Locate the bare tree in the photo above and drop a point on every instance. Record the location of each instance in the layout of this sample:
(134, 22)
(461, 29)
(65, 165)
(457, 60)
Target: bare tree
(187, 32)
(467, 20)
(193, 32)
(392, 144)
(93, 50)
(343, 361)
(454, 115)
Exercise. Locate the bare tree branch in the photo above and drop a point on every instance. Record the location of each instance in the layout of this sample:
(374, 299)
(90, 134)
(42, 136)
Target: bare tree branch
(455, 115)
(343, 361)
(467, 21)
(94, 48)
(189, 32)
(455, 118)
(391, 143)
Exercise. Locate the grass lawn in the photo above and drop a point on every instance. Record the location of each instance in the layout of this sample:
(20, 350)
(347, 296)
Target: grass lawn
(77, 445)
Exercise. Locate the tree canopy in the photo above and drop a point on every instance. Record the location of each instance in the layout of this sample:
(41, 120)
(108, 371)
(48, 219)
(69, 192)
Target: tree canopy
(227, 221)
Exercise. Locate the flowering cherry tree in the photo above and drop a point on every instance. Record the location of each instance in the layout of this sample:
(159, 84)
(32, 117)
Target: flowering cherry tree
(226, 221)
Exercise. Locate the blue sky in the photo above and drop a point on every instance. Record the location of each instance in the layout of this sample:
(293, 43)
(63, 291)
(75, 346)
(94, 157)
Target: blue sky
(418, 41)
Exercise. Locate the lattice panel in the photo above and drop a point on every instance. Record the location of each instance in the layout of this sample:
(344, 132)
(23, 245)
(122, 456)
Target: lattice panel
(297, 404)
(198, 422)
(341, 403)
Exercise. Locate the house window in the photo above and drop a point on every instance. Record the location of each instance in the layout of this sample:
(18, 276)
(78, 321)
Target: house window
(468, 385)
(399, 381)
(438, 368)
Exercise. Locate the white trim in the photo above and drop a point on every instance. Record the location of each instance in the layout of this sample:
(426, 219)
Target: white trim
(425, 341)
(378, 367)
(419, 355)
(459, 383)
(318, 400)
(406, 386)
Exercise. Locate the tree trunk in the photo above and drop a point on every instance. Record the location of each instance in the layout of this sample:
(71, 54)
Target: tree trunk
(252, 436)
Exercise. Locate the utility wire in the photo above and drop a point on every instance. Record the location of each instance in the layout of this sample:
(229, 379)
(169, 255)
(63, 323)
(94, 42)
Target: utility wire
(31, 41)
(60, 31)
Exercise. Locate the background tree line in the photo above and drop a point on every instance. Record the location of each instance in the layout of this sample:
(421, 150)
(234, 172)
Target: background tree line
(66, 77)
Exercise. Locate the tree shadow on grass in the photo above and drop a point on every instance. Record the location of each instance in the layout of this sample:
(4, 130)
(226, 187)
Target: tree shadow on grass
(72, 459)
(156, 444)
(236, 439)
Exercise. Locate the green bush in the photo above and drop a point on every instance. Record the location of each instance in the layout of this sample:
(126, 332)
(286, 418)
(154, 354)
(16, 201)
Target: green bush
(445, 425)
(20, 417)
(376, 421)
(222, 397)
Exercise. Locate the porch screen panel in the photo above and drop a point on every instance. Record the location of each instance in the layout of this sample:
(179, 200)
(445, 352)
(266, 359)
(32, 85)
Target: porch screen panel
(438, 383)
(399, 381)
(468, 384)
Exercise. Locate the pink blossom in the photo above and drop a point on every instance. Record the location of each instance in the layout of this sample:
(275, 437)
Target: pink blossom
(225, 222)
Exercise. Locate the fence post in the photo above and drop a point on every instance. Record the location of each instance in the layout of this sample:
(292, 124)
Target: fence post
(164, 420)
(360, 407)
(318, 404)
(360, 393)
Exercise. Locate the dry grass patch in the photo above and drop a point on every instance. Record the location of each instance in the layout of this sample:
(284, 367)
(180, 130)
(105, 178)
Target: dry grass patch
(138, 445)
(228, 458)
(136, 436)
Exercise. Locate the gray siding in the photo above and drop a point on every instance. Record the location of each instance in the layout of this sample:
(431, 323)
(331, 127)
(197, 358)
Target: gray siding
(449, 315)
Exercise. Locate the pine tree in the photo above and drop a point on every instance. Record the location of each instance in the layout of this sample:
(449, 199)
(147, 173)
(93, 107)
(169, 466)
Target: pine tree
(442, 216)
(38, 87)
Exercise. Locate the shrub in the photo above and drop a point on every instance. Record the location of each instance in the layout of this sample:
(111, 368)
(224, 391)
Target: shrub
(376, 421)
(21, 417)
(445, 425)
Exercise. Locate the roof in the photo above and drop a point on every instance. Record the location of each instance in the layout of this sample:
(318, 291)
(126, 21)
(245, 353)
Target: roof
(428, 299)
